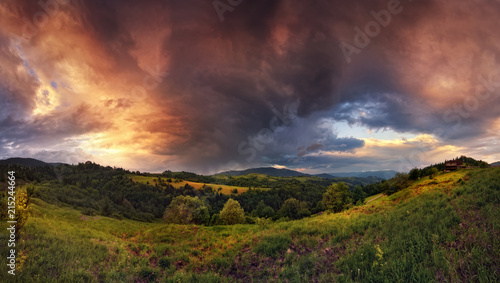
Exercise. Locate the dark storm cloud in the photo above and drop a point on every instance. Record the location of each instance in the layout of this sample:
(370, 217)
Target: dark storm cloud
(232, 73)
(228, 79)
(426, 77)
(332, 144)
(224, 77)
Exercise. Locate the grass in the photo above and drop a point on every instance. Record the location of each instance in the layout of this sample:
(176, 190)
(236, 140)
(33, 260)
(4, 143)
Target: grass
(441, 229)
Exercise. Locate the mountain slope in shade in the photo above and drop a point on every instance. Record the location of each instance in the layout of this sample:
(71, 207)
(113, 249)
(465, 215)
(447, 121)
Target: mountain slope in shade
(28, 162)
(325, 175)
(385, 174)
(495, 163)
(270, 171)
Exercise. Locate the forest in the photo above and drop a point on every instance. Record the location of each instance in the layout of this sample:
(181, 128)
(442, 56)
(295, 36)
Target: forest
(107, 191)
(97, 190)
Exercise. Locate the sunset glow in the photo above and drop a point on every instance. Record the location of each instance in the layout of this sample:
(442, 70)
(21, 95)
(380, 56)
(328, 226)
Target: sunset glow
(163, 85)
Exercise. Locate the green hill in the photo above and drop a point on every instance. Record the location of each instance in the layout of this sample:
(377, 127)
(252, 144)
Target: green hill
(443, 228)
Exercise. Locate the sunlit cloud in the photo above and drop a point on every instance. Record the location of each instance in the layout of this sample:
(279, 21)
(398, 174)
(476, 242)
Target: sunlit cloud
(163, 85)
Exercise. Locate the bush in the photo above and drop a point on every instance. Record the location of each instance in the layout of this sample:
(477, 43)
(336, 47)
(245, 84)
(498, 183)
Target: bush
(215, 220)
(232, 213)
(89, 211)
(263, 222)
(164, 262)
(249, 220)
(148, 274)
(304, 212)
(186, 210)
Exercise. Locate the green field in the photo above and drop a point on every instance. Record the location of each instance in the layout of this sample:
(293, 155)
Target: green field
(441, 229)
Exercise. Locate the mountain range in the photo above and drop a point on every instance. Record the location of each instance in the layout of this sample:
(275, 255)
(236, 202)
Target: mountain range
(271, 171)
(27, 162)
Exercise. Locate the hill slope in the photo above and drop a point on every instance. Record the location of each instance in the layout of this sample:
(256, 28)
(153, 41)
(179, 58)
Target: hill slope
(270, 171)
(275, 172)
(441, 229)
(384, 174)
(27, 162)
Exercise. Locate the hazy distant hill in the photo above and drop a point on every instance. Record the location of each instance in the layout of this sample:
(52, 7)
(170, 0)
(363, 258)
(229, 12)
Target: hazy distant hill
(386, 174)
(270, 171)
(28, 162)
(495, 163)
(325, 175)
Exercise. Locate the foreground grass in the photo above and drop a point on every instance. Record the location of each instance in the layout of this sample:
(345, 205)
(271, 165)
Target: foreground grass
(442, 229)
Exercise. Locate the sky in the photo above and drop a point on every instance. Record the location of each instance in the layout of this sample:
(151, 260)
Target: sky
(206, 86)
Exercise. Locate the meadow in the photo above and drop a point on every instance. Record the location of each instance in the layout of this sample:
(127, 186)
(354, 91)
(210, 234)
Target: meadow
(442, 229)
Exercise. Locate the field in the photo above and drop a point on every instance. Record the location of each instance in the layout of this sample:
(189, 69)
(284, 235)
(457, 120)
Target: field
(180, 183)
(441, 229)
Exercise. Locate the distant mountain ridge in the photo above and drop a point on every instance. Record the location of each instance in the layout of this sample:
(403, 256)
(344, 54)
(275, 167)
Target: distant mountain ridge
(384, 174)
(495, 163)
(275, 172)
(270, 171)
(29, 162)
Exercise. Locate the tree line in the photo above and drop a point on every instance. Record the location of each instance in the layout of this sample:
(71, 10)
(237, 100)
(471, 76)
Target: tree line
(107, 191)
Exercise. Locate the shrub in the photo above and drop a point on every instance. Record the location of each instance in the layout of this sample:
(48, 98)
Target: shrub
(304, 212)
(164, 262)
(89, 211)
(148, 274)
(249, 220)
(232, 213)
(186, 210)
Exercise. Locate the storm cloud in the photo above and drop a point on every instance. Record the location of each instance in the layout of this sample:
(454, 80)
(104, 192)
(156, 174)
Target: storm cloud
(158, 85)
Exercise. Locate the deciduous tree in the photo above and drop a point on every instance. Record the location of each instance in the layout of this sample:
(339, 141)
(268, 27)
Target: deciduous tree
(232, 213)
(337, 197)
(186, 210)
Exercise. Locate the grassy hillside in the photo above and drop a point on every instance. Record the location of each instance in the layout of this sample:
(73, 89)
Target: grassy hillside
(441, 229)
